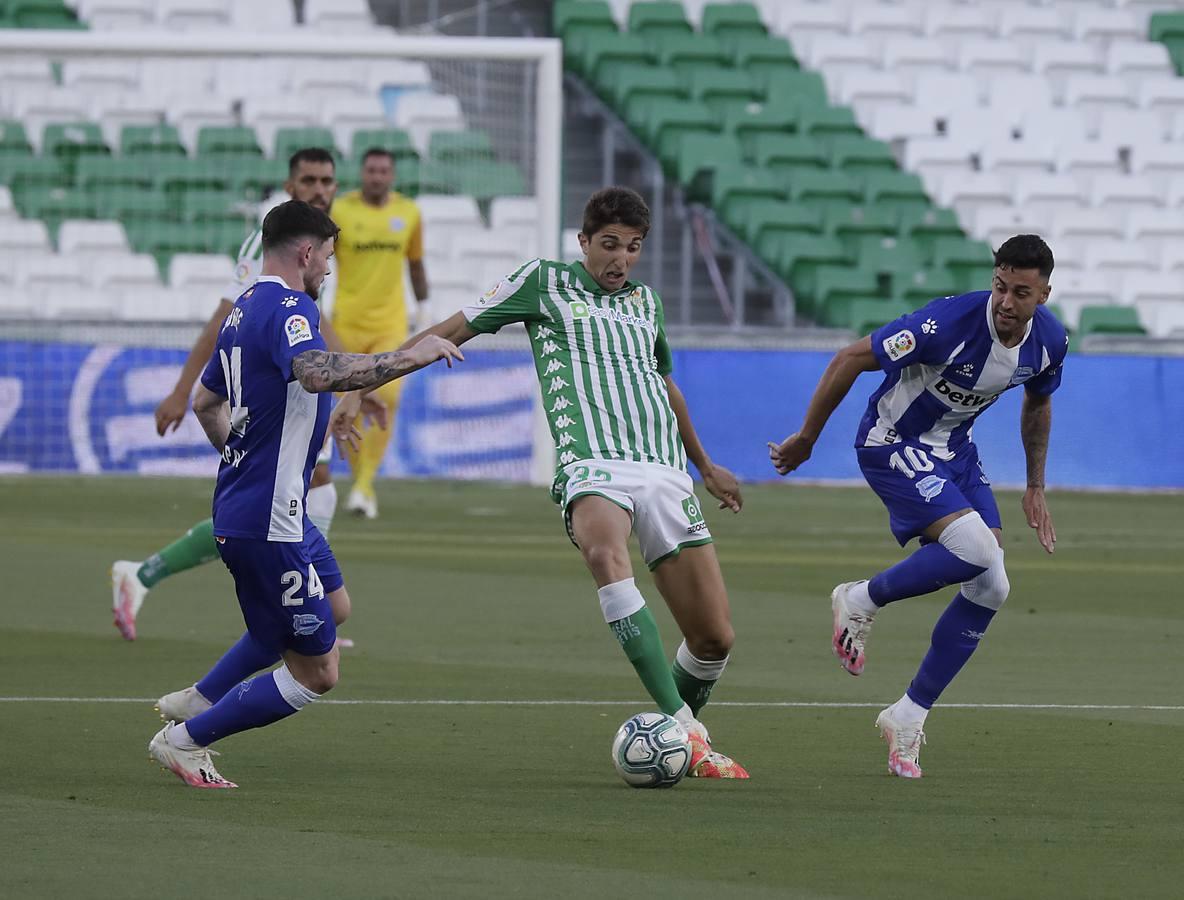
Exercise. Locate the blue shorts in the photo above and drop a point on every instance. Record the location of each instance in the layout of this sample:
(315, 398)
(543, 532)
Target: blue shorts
(283, 590)
(919, 489)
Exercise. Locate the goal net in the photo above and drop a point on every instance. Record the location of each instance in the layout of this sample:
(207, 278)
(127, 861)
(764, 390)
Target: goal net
(132, 167)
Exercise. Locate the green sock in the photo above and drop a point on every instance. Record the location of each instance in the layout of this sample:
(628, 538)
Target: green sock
(639, 639)
(194, 549)
(695, 677)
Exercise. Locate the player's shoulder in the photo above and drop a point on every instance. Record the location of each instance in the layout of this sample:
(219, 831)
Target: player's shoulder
(344, 203)
(1050, 332)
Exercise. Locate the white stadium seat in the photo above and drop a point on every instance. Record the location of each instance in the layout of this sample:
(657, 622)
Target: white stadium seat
(1055, 125)
(151, 304)
(444, 210)
(1137, 60)
(1106, 25)
(6, 208)
(190, 112)
(1047, 193)
(1091, 94)
(86, 237)
(339, 16)
(917, 57)
(956, 23)
(995, 224)
(1163, 96)
(1029, 26)
(113, 110)
(345, 117)
(513, 212)
(1057, 61)
(1129, 128)
(1171, 259)
(945, 95)
(399, 73)
(843, 53)
(1144, 287)
(1115, 260)
(25, 74)
(1123, 192)
(420, 113)
(894, 123)
(1073, 290)
(199, 15)
(36, 108)
(1085, 159)
(872, 88)
(1017, 157)
(118, 273)
(984, 58)
(982, 125)
(111, 15)
(803, 22)
(1155, 229)
(269, 114)
(24, 236)
(167, 77)
(330, 83)
(1159, 162)
(967, 193)
(263, 15)
(43, 274)
(937, 156)
(206, 272)
(1024, 92)
(880, 21)
(96, 74)
(239, 79)
(1085, 225)
(1167, 319)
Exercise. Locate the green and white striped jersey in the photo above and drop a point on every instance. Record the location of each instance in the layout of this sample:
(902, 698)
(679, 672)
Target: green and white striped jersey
(247, 267)
(601, 360)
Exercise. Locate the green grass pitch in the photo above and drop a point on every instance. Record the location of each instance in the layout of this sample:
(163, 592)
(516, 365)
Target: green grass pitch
(472, 593)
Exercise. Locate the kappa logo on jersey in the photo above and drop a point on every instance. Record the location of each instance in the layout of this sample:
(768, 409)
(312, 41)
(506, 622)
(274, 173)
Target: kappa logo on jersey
(930, 486)
(929, 326)
(900, 344)
(298, 330)
(304, 624)
(953, 394)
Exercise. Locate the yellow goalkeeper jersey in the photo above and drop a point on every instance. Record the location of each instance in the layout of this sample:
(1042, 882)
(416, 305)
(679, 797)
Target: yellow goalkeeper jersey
(372, 249)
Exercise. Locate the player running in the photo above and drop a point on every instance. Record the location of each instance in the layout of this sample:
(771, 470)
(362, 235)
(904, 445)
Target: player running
(381, 232)
(311, 178)
(264, 403)
(623, 434)
(945, 364)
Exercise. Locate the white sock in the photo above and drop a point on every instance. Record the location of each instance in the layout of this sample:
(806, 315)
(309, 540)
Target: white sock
(909, 711)
(860, 599)
(294, 693)
(321, 505)
(703, 669)
(620, 599)
(178, 736)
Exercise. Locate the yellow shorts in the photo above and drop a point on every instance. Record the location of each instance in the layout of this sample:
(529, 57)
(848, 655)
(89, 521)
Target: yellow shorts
(366, 341)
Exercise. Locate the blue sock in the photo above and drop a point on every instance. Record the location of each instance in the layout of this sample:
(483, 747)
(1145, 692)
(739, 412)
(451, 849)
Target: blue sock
(928, 569)
(241, 661)
(256, 703)
(955, 636)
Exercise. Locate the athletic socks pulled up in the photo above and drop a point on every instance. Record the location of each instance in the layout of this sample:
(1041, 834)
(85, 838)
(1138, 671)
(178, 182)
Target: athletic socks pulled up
(261, 701)
(195, 548)
(695, 677)
(955, 638)
(245, 657)
(635, 629)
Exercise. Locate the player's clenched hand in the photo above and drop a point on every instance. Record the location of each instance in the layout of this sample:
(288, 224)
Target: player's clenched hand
(171, 412)
(1038, 516)
(432, 347)
(790, 453)
(342, 419)
(724, 487)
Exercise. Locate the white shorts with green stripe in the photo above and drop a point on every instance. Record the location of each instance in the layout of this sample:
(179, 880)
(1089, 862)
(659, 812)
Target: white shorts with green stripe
(666, 514)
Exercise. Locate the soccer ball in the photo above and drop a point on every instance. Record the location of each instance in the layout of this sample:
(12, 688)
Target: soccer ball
(651, 750)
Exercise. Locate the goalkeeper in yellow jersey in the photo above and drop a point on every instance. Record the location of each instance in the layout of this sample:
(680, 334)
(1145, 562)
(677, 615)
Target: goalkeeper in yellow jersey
(380, 232)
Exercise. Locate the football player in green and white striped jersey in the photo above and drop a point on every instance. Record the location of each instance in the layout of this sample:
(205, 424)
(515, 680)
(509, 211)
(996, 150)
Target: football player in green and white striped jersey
(623, 435)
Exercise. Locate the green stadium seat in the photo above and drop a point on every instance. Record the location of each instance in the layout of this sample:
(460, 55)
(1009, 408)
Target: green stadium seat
(175, 177)
(70, 140)
(13, 138)
(972, 262)
(927, 225)
(460, 146)
(394, 140)
(717, 86)
(687, 52)
(857, 154)
(1168, 29)
(53, 205)
(738, 185)
(215, 206)
(828, 121)
(135, 140)
(893, 259)
(289, 140)
(629, 84)
(256, 176)
(766, 222)
(19, 169)
(747, 120)
(132, 206)
(217, 139)
(1109, 320)
(486, 180)
(699, 155)
(851, 223)
(768, 59)
(925, 285)
(99, 171)
(782, 152)
(823, 186)
(732, 21)
(900, 190)
(800, 258)
(865, 316)
(667, 121)
(598, 52)
(798, 88)
(581, 15)
(426, 177)
(658, 19)
(42, 14)
(836, 288)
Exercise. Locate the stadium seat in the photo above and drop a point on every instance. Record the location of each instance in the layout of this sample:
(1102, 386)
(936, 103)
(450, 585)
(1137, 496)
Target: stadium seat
(865, 316)
(1104, 26)
(735, 186)
(628, 84)
(1162, 96)
(192, 15)
(340, 16)
(14, 141)
(982, 59)
(260, 15)
(215, 206)
(487, 180)
(1108, 320)
(422, 113)
(1137, 61)
(144, 304)
(1123, 192)
(669, 120)
(1160, 163)
(893, 259)
(326, 84)
(1046, 193)
(1091, 94)
(732, 21)
(852, 223)
(190, 112)
(154, 139)
(19, 75)
(806, 22)
(873, 89)
(392, 139)
(86, 239)
(699, 155)
(22, 236)
(658, 20)
(837, 288)
(767, 222)
(857, 155)
(207, 272)
(1017, 157)
(714, 86)
(238, 140)
(1084, 225)
(460, 146)
(602, 51)
(1028, 27)
(144, 207)
(572, 16)
(768, 59)
(686, 52)
(289, 140)
(1155, 229)
(7, 210)
(254, 175)
(969, 261)
(900, 190)
(900, 123)
(44, 276)
(925, 226)
(917, 57)
(828, 122)
(70, 140)
(345, 117)
(925, 285)
(1168, 28)
(950, 22)
(781, 152)
(442, 211)
(99, 171)
(799, 89)
(42, 14)
(884, 23)
(800, 259)
(19, 171)
(823, 186)
(53, 204)
(842, 53)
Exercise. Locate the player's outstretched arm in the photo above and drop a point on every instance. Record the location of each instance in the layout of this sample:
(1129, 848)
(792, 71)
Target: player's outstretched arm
(1035, 424)
(172, 408)
(834, 385)
(455, 328)
(213, 413)
(720, 483)
(323, 370)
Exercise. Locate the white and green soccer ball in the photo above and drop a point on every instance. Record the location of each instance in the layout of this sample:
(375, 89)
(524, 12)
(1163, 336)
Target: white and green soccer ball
(651, 750)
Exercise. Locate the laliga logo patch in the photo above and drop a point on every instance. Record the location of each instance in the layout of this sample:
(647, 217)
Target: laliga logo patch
(900, 344)
(930, 486)
(298, 330)
(304, 624)
(241, 271)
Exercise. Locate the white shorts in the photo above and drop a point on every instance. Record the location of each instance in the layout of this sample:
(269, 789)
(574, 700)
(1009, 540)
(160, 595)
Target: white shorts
(661, 501)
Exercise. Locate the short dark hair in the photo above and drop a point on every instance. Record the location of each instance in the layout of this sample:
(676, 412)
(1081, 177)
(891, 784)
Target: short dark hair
(1025, 251)
(310, 155)
(378, 151)
(293, 220)
(616, 206)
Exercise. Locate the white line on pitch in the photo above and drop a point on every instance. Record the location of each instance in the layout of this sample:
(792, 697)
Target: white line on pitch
(758, 704)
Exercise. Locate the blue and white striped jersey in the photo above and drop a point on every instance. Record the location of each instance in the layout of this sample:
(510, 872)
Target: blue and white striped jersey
(945, 365)
(277, 428)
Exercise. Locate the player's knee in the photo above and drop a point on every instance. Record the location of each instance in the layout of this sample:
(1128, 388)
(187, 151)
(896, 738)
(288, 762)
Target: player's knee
(714, 646)
(969, 539)
(990, 589)
(340, 603)
(322, 679)
(607, 561)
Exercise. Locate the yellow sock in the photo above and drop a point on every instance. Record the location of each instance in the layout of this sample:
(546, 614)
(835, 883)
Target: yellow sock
(366, 462)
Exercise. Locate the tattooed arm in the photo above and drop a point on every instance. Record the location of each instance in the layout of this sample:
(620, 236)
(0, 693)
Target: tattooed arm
(323, 370)
(213, 413)
(1035, 424)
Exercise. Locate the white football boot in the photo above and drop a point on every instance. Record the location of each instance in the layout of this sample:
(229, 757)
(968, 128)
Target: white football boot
(127, 596)
(904, 744)
(851, 628)
(361, 505)
(182, 705)
(194, 767)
